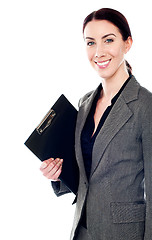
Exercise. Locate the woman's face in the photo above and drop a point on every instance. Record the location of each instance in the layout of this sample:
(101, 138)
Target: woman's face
(106, 48)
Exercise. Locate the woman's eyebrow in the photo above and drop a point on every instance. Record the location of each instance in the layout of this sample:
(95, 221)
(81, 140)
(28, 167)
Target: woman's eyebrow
(90, 38)
(107, 35)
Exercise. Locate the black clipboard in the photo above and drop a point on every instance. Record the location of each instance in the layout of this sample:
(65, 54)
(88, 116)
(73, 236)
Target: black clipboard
(55, 137)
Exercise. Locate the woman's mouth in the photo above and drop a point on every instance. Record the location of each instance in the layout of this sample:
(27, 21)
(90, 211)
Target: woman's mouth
(103, 64)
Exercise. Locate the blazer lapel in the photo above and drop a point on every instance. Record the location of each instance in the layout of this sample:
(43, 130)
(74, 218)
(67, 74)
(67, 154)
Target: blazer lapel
(81, 119)
(118, 116)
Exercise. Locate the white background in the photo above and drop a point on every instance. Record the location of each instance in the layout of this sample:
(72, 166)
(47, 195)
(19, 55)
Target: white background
(42, 55)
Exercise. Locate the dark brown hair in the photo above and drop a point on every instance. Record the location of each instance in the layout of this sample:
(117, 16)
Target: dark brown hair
(115, 18)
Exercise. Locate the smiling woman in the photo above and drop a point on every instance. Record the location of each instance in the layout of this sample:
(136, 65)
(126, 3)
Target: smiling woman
(112, 141)
(112, 30)
(106, 48)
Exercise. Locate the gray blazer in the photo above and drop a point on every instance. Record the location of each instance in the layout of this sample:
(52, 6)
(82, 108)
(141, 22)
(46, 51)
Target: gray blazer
(119, 194)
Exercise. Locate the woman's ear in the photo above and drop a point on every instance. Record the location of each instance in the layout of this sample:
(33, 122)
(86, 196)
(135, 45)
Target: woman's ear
(128, 44)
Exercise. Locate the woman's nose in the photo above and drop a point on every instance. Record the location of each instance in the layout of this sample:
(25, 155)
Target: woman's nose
(99, 51)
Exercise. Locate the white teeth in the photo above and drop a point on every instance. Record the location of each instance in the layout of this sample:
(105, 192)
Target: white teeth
(103, 63)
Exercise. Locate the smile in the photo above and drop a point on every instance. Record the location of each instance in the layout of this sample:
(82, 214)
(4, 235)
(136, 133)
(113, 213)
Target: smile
(103, 64)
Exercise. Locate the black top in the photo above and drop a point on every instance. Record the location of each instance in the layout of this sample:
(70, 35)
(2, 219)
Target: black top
(87, 140)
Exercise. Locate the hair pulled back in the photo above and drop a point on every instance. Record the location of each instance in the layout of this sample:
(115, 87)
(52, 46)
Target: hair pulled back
(116, 18)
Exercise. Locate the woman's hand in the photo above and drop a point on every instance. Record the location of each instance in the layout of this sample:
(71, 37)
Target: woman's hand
(52, 168)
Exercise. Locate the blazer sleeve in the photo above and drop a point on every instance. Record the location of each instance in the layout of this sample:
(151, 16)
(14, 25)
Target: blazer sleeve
(59, 188)
(147, 156)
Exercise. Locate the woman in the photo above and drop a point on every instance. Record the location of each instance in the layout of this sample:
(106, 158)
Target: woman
(113, 141)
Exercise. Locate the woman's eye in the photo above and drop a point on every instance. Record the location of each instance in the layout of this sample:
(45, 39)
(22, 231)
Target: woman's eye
(109, 40)
(90, 43)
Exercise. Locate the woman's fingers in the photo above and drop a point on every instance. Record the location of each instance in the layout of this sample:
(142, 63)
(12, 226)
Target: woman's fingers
(52, 168)
(45, 163)
(56, 175)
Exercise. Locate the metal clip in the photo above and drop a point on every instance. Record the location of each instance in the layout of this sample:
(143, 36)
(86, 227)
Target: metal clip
(45, 123)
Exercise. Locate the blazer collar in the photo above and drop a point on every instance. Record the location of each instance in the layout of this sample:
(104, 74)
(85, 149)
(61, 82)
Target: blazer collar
(131, 91)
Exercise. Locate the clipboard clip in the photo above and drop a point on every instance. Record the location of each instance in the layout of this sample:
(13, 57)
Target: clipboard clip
(45, 123)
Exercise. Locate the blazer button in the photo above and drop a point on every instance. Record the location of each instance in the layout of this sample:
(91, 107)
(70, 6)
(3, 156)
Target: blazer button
(85, 184)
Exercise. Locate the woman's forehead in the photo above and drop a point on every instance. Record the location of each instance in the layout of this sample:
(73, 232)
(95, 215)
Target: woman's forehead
(100, 27)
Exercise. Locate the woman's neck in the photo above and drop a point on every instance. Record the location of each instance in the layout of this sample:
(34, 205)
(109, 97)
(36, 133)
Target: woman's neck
(111, 86)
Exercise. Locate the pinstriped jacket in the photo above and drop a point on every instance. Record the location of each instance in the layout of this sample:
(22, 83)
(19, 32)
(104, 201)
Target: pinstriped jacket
(118, 195)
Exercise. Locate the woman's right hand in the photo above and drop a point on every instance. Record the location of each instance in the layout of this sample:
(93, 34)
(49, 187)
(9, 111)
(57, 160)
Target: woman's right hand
(52, 168)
